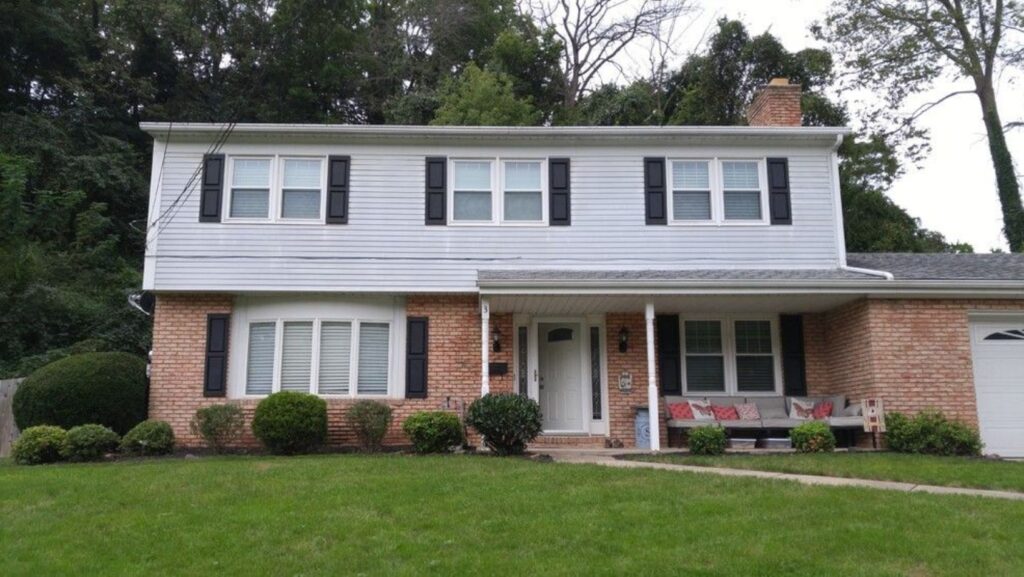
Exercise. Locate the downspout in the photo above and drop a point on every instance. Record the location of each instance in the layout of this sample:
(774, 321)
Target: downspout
(869, 271)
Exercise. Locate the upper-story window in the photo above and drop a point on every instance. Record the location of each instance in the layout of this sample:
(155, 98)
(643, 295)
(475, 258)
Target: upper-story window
(718, 192)
(275, 188)
(497, 191)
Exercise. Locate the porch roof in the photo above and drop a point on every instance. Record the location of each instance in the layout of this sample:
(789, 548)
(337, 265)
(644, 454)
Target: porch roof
(498, 277)
(941, 266)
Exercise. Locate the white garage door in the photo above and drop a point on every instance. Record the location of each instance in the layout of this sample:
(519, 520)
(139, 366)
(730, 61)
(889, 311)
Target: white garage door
(999, 383)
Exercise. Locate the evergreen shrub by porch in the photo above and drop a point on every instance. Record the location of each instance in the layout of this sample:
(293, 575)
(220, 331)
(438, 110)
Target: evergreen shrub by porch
(507, 422)
(102, 388)
(288, 422)
(370, 420)
(218, 425)
(813, 437)
(149, 438)
(38, 445)
(89, 443)
(709, 440)
(433, 431)
(931, 433)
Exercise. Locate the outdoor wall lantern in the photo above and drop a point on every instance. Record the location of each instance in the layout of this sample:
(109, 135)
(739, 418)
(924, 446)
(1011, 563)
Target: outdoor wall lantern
(496, 339)
(623, 340)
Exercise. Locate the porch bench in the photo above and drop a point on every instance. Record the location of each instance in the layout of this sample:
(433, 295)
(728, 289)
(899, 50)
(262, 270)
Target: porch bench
(774, 413)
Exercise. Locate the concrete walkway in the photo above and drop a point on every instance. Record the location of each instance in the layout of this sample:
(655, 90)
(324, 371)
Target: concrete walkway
(607, 458)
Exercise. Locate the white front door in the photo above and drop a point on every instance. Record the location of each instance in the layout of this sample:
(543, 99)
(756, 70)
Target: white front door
(561, 376)
(999, 384)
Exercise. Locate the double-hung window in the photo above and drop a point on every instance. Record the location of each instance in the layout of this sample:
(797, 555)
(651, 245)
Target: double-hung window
(718, 191)
(497, 191)
(275, 188)
(730, 356)
(319, 356)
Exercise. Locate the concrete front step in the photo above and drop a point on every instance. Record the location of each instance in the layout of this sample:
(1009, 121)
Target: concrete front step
(568, 441)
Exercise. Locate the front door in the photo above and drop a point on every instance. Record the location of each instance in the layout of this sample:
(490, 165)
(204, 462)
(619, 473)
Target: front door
(561, 376)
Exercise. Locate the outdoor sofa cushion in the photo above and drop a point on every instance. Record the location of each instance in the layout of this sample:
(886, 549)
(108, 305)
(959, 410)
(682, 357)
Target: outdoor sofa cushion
(770, 407)
(846, 422)
(739, 424)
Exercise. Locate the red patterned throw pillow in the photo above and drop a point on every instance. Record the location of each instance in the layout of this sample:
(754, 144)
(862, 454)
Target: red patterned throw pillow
(822, 410)
(725, 413)
(680, 411)
(748, 412)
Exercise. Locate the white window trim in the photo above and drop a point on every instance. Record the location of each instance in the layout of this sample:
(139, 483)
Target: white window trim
(717, 178)
(497, 191)
(275, 202)
(314, 373)
(729, 354)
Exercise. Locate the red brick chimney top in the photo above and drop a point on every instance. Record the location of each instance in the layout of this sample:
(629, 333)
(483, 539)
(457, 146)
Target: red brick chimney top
(777, 104)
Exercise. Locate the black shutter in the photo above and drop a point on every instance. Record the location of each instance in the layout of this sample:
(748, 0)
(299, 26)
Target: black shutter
(560, 205)
(212, 188)
(215, 376)
(337, 189)
(778, 191)
(437, 190)
(670, 371)
(794, 370)
(416, 358)
(654, 190)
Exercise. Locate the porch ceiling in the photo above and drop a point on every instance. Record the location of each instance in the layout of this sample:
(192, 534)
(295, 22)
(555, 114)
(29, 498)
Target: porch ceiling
(596, 303)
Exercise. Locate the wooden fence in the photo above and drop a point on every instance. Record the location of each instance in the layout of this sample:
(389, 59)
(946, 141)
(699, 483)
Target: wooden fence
(8, 430)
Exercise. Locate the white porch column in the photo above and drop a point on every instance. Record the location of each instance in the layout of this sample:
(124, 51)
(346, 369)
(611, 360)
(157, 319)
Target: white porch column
(485, 348)
(652, 384)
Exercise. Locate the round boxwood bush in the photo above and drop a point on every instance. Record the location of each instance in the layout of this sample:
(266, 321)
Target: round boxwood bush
(218, 425)
(709, 440)
(38, 445)
(931, 433)
(370, 420)
(89, 443)
(433, 431)
(507, 422)
(103, 388)
(149, 438)
(288, 422)
(813, 437)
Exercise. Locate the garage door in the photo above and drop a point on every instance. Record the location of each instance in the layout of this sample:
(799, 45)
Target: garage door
(999, 383)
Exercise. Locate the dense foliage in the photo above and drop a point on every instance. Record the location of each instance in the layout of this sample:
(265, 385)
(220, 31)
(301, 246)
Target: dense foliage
(89, 443)
(709, 440)
(433, 431)
(288, 422)
(103, 388)
(38, 445)
(813, 437)
(507, 422)
(76, 79)
(370, 420)
(931, 433)
(149, 438)
(218, 425)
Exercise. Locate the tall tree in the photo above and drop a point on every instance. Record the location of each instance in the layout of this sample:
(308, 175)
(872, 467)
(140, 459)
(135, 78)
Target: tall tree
(482, 98)
(904, 46)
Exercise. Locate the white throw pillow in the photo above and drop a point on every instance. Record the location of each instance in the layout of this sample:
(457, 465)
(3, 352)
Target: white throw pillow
(702, 410)
(801, 410)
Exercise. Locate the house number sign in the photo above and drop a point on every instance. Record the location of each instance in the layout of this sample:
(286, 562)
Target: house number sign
(626, 382)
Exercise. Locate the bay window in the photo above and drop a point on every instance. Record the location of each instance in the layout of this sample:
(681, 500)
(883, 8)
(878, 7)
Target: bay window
(731, 356)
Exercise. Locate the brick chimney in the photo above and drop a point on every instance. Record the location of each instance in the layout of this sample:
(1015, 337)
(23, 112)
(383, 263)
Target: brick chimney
(777, 104)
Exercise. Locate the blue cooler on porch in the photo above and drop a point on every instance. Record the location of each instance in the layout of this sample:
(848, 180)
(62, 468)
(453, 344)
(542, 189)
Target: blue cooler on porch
(643, 428)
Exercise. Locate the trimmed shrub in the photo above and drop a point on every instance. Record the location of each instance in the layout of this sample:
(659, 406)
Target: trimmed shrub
(507, 422)
(433, 431)
(288, 423)
(149, 438)
(371, 420)
(89, 443)
(38, 445)
(931, 433)
(102, 388)
(218, 425)
(708, 440)
(813, 437)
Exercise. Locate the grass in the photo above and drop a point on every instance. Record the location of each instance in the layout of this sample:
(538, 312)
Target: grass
(403, 515)
(920, 469)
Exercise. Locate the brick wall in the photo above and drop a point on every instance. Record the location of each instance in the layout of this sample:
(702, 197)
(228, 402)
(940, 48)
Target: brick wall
(179, 340)
(913, 353)
(777, 104)
(622, 404)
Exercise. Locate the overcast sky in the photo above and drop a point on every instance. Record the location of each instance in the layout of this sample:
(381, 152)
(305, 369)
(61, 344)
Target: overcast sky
(953, 190)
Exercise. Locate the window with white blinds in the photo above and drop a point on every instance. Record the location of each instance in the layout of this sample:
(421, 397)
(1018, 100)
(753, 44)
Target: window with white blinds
(275, 188)
(717, 191)
(250, 188)
(319, 356)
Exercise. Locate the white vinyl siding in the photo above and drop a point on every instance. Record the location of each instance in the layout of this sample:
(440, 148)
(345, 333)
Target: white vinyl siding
(260, 359)
(731, 355)
(373, 358)
(335, 358)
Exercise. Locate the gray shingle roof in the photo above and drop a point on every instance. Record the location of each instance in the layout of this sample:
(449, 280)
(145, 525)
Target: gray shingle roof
(908, 266)
(674, 275)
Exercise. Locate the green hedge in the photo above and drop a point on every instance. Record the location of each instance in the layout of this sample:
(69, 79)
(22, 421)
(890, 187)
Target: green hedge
(108, 389)
(433, 431)
(507, 422)
(813, 437)
(708, 440)
(38, 445)
(89, 443)
(288, 422)
(149, 438)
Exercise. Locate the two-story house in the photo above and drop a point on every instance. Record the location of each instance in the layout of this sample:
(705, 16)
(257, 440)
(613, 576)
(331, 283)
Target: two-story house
(594, 269)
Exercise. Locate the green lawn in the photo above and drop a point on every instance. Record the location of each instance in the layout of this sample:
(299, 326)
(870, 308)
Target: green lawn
(401, 515)
(920, 469)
